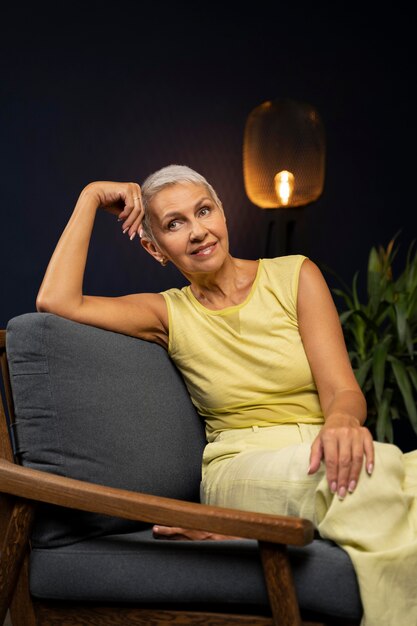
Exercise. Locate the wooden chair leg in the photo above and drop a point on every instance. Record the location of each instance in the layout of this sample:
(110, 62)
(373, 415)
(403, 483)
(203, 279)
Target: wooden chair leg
(21, 609)
(280, 584)
(14, 547)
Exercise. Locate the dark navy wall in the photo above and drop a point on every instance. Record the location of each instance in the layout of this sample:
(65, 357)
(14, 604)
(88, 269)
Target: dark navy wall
(101, 90)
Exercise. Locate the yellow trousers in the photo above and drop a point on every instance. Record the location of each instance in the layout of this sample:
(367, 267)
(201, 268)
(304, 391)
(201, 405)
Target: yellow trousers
(265, 470)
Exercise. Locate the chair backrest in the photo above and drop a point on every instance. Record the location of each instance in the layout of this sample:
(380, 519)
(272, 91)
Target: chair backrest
(99, 406)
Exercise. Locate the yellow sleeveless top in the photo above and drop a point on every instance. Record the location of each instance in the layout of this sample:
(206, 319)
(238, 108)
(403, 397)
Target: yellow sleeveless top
(245, 365)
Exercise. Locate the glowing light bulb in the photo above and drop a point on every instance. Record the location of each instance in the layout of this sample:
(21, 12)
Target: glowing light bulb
(284, 187)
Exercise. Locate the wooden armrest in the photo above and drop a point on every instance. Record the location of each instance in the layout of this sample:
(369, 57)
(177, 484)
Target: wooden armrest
(42, 486)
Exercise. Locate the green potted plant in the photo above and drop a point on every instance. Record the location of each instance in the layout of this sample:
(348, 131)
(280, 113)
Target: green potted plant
(381, 338)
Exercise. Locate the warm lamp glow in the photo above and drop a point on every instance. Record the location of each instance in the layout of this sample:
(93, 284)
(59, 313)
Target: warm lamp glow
(284, 187)
(283, 136)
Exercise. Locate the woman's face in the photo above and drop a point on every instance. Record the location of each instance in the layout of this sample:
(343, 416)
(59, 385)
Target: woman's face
(189, 229)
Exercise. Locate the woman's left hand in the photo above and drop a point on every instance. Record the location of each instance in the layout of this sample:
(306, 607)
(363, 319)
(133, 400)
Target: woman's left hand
(343, 445)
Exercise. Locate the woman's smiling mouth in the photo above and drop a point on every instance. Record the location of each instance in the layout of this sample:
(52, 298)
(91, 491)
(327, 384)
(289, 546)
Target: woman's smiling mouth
(204, 250)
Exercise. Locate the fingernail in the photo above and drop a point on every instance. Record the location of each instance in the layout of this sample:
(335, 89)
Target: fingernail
(125, 230)
(352, 486)
(370, 468)
(132, 236)
(141, 233)
(333, 487)
(342, 493)
(119, 219)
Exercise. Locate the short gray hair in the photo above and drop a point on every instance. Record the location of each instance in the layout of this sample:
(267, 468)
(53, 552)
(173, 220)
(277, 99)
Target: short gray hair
(165, 177)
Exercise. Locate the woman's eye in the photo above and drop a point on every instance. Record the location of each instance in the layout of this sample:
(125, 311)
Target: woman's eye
(204, 211)
(172, 225)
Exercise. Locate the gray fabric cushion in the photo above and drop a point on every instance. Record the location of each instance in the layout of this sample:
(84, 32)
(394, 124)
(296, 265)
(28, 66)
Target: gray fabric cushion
(100, 406)
(135, 568)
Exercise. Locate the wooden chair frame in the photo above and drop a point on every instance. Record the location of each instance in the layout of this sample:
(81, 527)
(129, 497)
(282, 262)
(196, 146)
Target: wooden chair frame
(21, 488)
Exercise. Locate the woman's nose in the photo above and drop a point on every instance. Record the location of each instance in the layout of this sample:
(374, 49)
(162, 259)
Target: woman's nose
(197, 231)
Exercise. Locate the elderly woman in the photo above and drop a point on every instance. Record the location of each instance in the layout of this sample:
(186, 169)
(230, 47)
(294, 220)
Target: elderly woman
(262, 353)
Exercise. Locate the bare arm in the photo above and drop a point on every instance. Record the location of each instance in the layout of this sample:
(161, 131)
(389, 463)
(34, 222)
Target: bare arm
(343, 442)
(140, 315)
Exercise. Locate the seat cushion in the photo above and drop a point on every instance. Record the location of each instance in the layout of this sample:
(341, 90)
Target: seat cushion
(103, 407)
(133, 568)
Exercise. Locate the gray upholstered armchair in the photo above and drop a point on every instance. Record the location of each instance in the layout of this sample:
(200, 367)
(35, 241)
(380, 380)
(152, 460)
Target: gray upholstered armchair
(99, 439)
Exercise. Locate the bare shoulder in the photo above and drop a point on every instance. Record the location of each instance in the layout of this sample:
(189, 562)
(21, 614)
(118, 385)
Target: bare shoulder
(310, 271)
(311, 279)
(314, 296)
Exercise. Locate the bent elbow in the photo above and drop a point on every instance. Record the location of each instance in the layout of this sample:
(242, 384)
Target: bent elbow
(43, 306)
(57, 306)
(47, 304)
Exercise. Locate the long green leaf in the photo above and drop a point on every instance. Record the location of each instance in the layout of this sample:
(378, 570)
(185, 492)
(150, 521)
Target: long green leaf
(362, 372)
(401, 316)
(368, 321)
(382, 314)
(412, 372)
(403, 382)
(391, 252)
(389, 293)
(411, 267)
(374, 282)
(384, 430)
(344, 317)
(412, 303)
(409, 341)
(374, 262)
(345, 296)
(378, 369)
(355, 291)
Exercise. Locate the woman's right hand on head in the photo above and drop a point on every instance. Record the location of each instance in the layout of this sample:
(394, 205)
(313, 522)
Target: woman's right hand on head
(121, 199)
